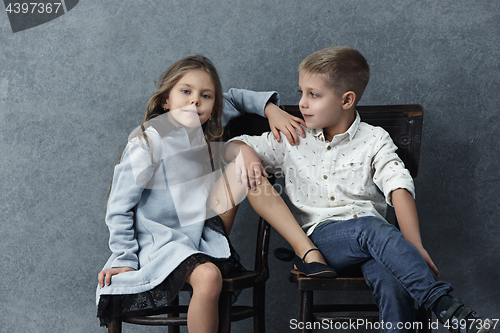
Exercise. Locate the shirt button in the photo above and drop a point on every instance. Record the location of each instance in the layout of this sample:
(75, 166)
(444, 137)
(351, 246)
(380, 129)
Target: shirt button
(396, 163)
(328, 148)
(322, 139)
(355, 216)
(325, 176)
(351, 164)
(332, 198)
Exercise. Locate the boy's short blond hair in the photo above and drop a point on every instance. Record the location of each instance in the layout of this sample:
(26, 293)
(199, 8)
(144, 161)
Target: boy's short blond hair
(344, 69)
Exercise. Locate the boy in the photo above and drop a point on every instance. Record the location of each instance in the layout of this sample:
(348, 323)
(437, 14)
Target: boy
(341, 178)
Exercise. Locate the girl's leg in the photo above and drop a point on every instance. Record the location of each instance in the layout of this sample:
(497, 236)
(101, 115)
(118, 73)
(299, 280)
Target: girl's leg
(203, 311)
(266, 202)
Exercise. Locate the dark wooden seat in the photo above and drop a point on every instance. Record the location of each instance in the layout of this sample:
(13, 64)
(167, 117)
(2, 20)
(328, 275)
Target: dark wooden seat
(173, 315)
(404, 124)
(256, 279)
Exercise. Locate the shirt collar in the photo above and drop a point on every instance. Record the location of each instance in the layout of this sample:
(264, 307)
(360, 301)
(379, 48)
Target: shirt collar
(351, 131)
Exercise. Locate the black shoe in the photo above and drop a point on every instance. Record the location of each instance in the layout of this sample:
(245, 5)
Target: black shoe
(459, 318)
(312, 269)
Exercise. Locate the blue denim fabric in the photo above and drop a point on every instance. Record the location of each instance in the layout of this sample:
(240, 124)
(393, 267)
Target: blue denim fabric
(394, 269)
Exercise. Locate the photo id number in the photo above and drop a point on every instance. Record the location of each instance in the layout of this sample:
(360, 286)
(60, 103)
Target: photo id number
(33, 7)
(470, 323)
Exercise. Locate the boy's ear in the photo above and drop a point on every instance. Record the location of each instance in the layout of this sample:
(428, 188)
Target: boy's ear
(348, 100)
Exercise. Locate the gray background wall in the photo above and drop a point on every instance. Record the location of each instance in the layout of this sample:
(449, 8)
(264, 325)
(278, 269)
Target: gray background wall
(72, 89)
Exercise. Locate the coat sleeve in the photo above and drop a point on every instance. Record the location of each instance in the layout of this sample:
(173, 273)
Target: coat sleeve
(129, 180)
(240, 101)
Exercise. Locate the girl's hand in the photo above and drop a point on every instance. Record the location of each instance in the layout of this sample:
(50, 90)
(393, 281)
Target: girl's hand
(429, 261)
(280, 120)
(248, 168)
(108, 273)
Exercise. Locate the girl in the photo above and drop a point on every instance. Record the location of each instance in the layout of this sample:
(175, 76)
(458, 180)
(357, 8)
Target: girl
(162, 234)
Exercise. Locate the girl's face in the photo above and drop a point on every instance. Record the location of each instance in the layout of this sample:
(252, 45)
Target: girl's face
(191, 100)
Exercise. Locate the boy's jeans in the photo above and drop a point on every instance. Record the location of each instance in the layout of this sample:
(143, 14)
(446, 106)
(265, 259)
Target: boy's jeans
(394, 269)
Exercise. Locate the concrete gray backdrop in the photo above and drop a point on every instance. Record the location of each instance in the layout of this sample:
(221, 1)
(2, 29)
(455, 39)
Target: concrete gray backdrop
(72, 89)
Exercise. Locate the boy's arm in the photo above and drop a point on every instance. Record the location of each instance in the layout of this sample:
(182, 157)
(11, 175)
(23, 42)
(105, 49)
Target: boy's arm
(396, 183)
(240, 101)
(406, 213)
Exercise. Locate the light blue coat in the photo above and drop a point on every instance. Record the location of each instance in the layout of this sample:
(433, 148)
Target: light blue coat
(155, 216)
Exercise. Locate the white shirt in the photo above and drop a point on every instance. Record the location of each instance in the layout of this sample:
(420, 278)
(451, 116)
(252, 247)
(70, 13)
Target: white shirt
(349, 177)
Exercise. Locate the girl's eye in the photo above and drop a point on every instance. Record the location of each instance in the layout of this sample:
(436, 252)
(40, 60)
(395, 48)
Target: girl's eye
(185, 91)
(205, 96)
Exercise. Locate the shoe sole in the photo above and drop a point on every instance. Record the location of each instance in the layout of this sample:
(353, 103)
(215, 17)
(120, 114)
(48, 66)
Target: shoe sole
(324, 274)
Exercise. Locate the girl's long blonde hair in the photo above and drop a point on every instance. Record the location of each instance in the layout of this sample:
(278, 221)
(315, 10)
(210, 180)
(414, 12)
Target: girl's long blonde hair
(212, 128)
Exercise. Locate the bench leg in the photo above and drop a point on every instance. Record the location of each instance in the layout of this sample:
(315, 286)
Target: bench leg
(115, 326)
(306, 309)
(175, 302)
(225, 312)
(259, 320)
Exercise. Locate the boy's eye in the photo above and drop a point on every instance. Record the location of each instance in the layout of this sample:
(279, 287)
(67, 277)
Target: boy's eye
(299, 91)
(313, 95)
(185, 91)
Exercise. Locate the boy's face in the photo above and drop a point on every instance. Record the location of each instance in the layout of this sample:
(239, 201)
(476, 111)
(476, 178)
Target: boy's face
(320, 106)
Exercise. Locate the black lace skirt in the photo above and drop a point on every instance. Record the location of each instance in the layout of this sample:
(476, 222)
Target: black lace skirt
(153, 301)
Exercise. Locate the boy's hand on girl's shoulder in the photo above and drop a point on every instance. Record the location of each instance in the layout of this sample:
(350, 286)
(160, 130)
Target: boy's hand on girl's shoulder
(248, 168)
(105, 276)
(282, 121)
